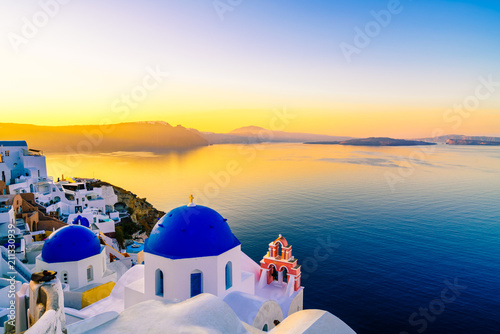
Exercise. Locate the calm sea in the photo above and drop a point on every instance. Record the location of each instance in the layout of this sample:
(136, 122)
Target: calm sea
(379, 231)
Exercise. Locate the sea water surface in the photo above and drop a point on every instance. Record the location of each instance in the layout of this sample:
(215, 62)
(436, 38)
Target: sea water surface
(378, 230)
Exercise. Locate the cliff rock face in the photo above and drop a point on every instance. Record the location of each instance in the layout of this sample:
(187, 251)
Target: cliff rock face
(142, 213)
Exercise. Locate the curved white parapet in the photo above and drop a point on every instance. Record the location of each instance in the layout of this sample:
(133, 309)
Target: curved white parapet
(204, 313)
(88, 324)
(312, 322)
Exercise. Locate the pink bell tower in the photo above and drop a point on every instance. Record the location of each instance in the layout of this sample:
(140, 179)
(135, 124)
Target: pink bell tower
(280, 265)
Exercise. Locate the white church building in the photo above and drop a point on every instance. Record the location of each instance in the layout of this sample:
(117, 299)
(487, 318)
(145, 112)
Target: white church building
(77, 256)
(192, 250)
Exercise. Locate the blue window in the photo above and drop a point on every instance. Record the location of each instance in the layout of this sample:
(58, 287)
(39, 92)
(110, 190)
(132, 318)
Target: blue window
(265, 328)
(229, 275)
(196, 283)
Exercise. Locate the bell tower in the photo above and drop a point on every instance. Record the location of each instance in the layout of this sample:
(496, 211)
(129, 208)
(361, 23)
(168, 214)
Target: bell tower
(280, 265)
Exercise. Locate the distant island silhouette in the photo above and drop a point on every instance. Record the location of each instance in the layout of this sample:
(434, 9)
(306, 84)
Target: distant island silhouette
(473, 142)
(374, 141)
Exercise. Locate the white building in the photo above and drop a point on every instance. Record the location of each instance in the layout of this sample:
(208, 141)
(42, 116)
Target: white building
(77, 256)
(74, 197)
(7, 215)
(196, 244)
(21, 167)
(94, 220)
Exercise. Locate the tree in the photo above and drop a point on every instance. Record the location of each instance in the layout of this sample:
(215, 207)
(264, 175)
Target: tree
(119, 237)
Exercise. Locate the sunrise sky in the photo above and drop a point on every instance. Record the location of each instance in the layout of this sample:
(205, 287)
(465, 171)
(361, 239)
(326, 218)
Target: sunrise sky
(78, 64)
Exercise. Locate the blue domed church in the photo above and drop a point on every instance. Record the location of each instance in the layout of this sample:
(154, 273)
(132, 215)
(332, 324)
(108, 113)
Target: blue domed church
(191, 250)
(77, 256)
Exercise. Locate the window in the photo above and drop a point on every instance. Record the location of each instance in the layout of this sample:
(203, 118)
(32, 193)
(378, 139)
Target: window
(159, 283)
(196, 283)
(7, 153)
(90, 273)
(265, 328)
(229, 275)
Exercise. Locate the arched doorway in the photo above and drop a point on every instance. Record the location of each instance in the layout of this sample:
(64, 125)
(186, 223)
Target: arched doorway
(196, 282)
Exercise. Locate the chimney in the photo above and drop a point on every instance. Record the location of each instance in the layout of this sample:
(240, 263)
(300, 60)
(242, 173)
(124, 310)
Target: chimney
(46, 300)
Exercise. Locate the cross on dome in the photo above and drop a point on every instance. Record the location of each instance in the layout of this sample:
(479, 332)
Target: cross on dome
(191, 199)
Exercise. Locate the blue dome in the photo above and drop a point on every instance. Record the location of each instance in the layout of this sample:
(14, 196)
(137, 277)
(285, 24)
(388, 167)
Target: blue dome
(81, 221)
(190, 231)
(70, 243)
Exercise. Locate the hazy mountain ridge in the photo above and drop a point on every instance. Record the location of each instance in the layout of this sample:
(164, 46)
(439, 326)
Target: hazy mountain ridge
(444, 139)
(139, 136)
(473, 142)
(255, 134)
(375, 141)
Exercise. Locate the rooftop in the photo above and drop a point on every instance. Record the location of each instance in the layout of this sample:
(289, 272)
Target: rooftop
(13, 143)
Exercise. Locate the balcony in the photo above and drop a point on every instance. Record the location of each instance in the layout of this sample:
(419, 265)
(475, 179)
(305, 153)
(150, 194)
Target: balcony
(32, 153)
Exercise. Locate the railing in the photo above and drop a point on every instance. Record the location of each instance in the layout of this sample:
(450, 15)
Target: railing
(32, 153)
